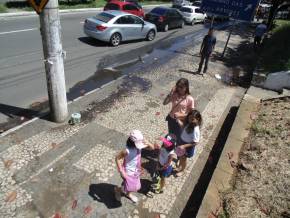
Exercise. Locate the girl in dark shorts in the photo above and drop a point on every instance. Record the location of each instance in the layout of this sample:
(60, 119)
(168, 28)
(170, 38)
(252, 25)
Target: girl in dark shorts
(189, 138)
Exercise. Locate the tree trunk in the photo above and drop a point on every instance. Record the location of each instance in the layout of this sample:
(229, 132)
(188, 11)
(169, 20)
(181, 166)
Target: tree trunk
(275, 5)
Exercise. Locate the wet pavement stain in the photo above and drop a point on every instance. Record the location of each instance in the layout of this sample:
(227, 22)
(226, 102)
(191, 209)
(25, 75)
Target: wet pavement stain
(111, 68)
(125, 89)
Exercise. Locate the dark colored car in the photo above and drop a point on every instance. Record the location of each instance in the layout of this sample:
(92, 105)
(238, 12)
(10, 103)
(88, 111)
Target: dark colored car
(165, 18)
(129, 7)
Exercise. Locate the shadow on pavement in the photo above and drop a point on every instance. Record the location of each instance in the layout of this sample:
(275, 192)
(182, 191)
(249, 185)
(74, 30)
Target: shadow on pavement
(241, 59)
(189, 72)
(93, 42)
(16, 115)
(145, 187)
(97, 43)
(104, 193)
(12, 111)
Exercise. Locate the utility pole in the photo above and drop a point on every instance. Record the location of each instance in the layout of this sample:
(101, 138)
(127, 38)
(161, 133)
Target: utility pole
(53, 59)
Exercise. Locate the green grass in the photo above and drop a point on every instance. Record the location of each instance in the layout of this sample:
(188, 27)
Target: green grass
(72, 4)
(99, 4)
(276, 53)
(3, 8)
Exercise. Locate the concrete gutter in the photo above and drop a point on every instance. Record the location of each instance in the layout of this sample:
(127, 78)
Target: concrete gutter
(222, 178)
(64, 11)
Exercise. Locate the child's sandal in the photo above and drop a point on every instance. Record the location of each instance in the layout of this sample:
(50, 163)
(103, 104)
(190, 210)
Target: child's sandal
(133, 198)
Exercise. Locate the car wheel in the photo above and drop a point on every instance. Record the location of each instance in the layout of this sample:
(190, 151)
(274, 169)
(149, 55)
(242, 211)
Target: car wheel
(151, 35)
(182, 24)
(192, 22)
(115, 39)
(165, 28)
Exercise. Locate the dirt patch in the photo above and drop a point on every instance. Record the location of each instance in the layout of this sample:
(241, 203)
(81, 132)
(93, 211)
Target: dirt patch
(262, 184)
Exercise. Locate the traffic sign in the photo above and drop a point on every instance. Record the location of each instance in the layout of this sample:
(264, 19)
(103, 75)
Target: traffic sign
(237, 9)
(38, 5)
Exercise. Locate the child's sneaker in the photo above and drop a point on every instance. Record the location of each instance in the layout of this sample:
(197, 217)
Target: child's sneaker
(158, 191)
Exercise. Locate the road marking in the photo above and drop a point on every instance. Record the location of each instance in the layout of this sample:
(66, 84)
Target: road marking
(82, 22)
(17, 31)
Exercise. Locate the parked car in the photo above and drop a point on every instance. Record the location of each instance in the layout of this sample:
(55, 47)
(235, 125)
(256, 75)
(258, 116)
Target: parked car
(179, 3)
(165, 18)
(196, 3)
(128, 7)
(135, 2)
(192, 14)
(118, 26)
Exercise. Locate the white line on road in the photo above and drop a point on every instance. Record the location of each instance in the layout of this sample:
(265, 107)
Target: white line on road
(17, 31)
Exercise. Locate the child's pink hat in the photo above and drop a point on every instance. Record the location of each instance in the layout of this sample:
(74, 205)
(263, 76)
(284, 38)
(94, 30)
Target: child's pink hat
(137, 137)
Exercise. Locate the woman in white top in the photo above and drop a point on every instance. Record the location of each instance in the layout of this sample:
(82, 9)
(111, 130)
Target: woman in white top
(190, 136)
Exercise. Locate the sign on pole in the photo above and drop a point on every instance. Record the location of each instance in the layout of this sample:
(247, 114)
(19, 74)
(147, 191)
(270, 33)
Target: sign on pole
(236, 9)
(38, 5)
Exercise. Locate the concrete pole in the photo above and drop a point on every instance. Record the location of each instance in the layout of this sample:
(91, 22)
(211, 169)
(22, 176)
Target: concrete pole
(53, 59)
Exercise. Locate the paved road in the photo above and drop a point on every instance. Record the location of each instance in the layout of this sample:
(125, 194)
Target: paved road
(22, 75)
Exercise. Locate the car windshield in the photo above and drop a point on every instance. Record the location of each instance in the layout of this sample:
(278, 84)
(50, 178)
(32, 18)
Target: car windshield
(197, 4)
(112, 6)
(104, 17)
(188, 10)
(135, 3)
(160, 11)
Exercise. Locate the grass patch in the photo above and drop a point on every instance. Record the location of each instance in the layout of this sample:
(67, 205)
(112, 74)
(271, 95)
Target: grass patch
(3, 8)
(71, 4)
(276, 53)
(79, 4)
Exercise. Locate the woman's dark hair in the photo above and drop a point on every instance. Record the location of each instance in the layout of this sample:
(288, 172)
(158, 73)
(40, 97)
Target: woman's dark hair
(130, 143)
(183, 82)
(189, 126)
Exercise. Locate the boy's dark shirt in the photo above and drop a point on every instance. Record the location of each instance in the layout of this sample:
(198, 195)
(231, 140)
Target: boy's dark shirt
(208, 44)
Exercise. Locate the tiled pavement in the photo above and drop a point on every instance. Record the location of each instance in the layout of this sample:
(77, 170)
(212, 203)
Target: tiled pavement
(70, 170)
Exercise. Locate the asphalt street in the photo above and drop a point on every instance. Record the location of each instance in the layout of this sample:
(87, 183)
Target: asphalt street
(22, 75)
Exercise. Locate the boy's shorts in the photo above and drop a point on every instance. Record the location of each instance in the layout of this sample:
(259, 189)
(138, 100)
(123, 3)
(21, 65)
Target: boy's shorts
(165, 172)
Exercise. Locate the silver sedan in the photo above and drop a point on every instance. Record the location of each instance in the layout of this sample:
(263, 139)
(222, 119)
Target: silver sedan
(117, 26)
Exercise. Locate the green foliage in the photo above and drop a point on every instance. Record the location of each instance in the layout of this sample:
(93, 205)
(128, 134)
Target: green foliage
(69, 4)
(3, 8)
(276, 53)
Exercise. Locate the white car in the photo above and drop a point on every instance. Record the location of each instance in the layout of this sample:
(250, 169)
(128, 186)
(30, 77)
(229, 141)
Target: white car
(192, 14)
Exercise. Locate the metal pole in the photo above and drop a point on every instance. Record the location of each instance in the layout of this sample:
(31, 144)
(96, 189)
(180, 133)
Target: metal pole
(53, 59)
(228, 39)
(211, 22)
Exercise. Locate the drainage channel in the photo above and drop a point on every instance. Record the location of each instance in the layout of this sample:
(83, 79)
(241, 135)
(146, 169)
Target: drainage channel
(195, 200)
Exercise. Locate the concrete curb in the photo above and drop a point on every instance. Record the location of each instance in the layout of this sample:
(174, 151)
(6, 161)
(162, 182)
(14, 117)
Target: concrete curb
(64, 11)
(222, 178)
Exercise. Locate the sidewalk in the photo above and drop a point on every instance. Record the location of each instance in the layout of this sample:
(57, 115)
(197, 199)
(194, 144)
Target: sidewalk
(48, 169)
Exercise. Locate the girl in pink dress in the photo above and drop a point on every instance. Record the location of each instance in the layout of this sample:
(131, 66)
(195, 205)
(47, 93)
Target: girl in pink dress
(129, 165)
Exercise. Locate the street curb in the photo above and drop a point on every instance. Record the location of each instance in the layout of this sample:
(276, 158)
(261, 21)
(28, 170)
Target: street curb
(223, 175)
(64, 11)
(191, 182)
